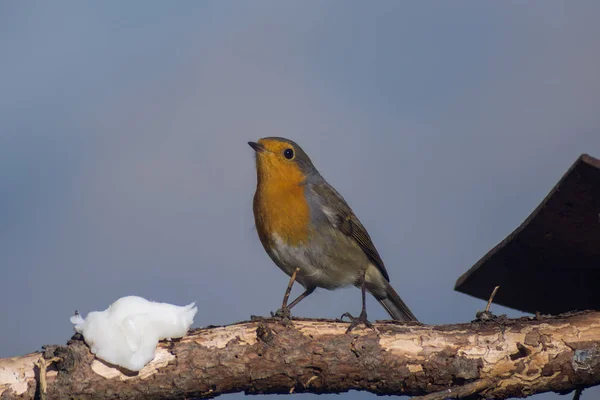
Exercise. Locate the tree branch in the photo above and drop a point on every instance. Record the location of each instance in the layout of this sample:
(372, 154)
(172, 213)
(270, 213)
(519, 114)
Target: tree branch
(496, 359)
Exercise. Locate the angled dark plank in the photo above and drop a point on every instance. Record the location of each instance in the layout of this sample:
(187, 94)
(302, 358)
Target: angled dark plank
(551, 262)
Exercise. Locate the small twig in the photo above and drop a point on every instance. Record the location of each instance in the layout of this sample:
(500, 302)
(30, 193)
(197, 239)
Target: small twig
(289, 289)
(458, 392)
(487, 308)
(577, 394)
(42, 364)
(486, 315)
(312, 378)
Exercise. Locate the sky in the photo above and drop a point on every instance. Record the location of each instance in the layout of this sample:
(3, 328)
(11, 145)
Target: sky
(124, 168)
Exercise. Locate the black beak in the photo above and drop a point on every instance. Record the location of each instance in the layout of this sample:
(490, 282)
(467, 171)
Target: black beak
(257, 147)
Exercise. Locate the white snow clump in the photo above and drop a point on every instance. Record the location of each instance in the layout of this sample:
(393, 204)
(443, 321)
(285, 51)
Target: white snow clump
(127, 332)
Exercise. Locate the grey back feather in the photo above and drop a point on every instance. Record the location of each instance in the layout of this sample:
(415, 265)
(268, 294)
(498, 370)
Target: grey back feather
(326, 203)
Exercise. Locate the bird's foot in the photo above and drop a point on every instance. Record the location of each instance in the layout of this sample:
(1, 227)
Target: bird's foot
(356, 321)
(283, 316)
(282, 313)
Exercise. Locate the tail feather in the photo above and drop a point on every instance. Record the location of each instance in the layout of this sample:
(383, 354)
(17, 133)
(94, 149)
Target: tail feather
(394, 305)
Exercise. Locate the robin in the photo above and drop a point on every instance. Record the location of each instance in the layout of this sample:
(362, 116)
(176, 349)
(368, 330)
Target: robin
(310, 232)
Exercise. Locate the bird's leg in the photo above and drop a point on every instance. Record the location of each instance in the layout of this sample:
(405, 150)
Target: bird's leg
(284, 311)
(286, 296)
(301, 297)
(362, 318)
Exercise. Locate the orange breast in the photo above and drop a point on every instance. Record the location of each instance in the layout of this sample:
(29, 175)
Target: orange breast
(280, 208)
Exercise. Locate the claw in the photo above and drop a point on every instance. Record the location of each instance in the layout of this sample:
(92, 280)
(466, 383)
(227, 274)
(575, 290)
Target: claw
(283, 316)
(282, 313)
(355, 321)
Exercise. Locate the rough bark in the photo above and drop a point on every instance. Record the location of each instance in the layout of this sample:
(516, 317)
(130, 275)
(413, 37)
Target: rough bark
(496, 359)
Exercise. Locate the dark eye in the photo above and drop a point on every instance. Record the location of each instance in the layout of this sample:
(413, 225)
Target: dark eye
(288, 153)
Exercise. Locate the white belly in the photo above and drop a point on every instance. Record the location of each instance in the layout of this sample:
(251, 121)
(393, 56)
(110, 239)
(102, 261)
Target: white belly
(316, 267)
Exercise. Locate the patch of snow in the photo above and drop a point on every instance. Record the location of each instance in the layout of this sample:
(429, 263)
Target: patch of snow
(127, 332)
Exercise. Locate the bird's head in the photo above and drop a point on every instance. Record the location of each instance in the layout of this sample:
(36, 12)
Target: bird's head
(280, 160)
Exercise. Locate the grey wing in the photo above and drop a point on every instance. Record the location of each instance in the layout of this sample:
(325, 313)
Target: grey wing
(341, 217)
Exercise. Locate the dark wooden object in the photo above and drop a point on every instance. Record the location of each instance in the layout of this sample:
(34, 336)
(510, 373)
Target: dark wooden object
(551, 263)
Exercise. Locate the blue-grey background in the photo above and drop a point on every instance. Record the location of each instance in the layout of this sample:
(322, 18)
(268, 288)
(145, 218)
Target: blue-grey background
(124, 167)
